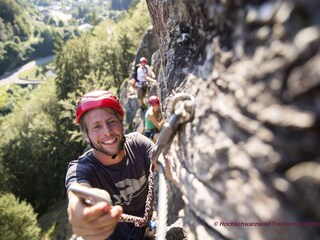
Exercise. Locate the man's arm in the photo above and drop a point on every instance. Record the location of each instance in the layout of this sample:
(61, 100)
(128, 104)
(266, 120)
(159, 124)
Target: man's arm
(151, 72)
(149, 79)
(92, 222)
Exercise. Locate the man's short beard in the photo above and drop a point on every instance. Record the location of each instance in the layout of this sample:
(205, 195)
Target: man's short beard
(99, 148)
(110, 153)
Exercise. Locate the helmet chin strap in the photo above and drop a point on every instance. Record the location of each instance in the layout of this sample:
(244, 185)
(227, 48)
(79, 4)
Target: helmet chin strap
(112, 156)
(91, 145)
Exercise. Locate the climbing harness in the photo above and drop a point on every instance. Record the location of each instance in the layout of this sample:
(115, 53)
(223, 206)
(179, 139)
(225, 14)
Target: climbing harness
(182, 111)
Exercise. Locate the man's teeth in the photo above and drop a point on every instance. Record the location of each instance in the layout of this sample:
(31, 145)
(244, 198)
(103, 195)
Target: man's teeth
(110, 141)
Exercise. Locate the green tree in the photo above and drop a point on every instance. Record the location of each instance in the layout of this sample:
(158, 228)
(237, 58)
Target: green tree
(17, 219)
(11, 57)
(15, 14)
(72, 65)
(45, 47)
(21, 27)
(60, 23)
(126, 54)
(35, 149)
(8, 9)
(11, 97)
(3, 31)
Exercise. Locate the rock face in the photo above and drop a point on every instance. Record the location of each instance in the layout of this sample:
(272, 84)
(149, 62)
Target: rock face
(251, 154)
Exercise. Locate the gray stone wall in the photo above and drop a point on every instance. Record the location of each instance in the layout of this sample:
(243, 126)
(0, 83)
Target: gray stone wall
(251, 154)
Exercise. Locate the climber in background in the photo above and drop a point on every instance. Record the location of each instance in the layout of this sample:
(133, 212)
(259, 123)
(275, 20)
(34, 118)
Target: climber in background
(132, 91)
(144, 75)
(153, 119)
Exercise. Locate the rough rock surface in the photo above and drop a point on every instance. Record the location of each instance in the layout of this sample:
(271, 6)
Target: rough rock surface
(251, 154)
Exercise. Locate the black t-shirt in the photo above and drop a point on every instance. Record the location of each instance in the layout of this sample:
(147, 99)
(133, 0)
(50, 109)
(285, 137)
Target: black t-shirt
(126, 181)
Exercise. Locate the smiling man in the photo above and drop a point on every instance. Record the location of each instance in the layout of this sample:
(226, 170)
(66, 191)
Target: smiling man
(117, 165)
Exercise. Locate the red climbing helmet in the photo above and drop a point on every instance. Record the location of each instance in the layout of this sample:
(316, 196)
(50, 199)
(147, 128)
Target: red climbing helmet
(143, 59)
(97, 99)
(153, 100)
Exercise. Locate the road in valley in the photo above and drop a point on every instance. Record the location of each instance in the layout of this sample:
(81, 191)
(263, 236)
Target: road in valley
(13, 76)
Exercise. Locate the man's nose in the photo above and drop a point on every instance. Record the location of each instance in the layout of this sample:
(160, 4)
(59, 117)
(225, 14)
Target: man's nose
(106, 129)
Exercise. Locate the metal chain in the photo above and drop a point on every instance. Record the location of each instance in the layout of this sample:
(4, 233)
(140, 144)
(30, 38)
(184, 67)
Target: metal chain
(142, 221)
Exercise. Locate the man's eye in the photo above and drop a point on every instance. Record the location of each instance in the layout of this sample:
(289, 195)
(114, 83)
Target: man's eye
(96, 127)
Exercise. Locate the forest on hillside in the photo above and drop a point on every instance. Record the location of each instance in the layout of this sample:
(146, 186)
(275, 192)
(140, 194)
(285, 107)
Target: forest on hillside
(38, 135)
(30, 28)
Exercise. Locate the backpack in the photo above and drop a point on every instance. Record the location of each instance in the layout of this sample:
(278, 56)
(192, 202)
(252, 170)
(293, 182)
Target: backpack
(135, 74)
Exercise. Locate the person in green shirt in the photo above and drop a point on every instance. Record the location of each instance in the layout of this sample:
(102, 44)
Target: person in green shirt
(153, 119)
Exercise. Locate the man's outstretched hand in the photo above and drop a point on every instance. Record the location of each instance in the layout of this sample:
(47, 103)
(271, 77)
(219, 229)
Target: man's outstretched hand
(96, 222)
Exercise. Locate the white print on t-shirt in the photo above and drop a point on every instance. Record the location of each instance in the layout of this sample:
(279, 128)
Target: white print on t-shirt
(130, 187)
